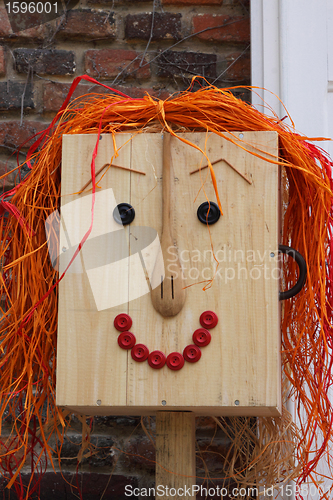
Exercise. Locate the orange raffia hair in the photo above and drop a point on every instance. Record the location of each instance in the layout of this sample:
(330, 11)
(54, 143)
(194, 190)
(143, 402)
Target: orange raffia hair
(29, 282)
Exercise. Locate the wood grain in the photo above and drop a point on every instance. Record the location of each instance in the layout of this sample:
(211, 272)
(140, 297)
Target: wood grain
(88, 372)
(175, 452)
(168, 298)
(239, 371)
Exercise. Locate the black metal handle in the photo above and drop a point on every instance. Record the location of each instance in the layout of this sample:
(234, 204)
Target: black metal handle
(302, 272)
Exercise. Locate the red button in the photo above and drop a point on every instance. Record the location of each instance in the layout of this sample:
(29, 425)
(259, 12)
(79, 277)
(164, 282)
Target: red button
(156, 359)
(201, 337)
(122, 322)
(208, 319)
(175, 361)
(126, 340)
(139, 352)
(192, 353)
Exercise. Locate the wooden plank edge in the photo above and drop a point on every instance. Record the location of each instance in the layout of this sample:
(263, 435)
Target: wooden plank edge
(216, 411)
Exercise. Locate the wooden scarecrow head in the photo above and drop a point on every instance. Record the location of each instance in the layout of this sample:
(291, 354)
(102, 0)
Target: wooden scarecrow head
(170, 304)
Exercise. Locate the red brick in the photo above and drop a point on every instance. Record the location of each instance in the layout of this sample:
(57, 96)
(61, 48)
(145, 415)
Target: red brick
(12, 134)
(240, 70)
(106, 63)
(56, 93)
(6, 32)
(5, 29)
(2, 62)
(45, 61)
(139, 453)
(192, 2)
(220, 28)
(9, 181)
(138, 92)
(167, 26)
(87, 24)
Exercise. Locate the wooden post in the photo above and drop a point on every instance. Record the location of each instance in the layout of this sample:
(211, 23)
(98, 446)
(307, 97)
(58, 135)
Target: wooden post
(175, 453)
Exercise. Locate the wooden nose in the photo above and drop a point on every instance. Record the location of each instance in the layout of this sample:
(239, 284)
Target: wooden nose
(169, 297)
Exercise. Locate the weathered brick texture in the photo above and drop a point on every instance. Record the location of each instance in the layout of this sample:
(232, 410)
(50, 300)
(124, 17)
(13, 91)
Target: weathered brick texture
(45, 62)
(7, 182)
(13, 134)
(188, 64)
(87, 24)
(54, 94)
(34, 34)
(166, 26)
(11, 95)
(139, 452)
(220, 28)
(239, 67)
(107, 63)
(2, 62)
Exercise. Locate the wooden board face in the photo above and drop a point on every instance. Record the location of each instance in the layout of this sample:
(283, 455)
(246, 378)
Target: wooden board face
(239, 371)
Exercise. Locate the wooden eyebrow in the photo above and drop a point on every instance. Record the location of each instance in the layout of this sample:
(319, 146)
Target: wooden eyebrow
(110, 165)
(229, 164)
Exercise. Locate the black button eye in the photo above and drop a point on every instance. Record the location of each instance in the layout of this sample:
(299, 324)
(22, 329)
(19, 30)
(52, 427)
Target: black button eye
(124, 214)
(213, 215)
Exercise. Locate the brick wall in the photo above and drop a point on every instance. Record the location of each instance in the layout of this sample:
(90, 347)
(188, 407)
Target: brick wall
(134, 46)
